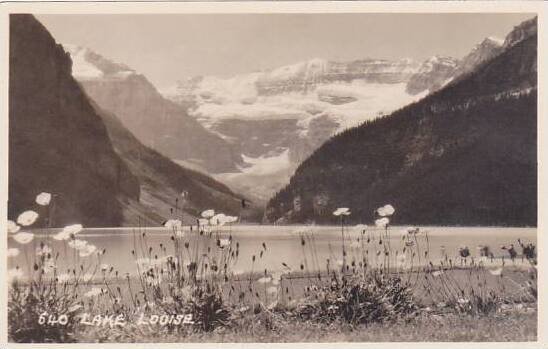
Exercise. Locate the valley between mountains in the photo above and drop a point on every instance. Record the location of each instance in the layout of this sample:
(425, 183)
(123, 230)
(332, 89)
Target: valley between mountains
(449, 140)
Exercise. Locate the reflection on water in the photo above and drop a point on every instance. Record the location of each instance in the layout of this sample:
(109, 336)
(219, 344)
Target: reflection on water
(283, 245)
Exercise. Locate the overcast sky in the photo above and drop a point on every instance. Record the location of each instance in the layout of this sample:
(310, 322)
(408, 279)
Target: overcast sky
(167, 48)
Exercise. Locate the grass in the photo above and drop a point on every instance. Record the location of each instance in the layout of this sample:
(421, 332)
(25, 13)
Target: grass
(398, 294)
(518, 327)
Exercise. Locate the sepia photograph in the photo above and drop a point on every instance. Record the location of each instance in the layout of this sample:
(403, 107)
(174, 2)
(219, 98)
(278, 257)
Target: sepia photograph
(244, 177)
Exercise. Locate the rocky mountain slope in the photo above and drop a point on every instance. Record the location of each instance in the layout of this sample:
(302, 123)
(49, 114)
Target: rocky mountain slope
(463, 155)
(61, 142)
(154, 120)
(277, 118)
(57, 142)
(162, 182)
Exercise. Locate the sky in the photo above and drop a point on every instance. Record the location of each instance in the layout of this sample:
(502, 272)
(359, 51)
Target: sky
(171, 47)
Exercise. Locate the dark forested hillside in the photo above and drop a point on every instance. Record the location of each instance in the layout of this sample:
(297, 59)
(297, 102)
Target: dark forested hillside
(465, 155)
(57, 142)
(62, 143)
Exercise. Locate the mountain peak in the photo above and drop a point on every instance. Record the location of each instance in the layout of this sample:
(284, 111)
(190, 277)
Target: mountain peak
(492, 40)
(89, 65)
(436, 61)
(482, 52)
(313, 66)
(470, 125)
(521, 32)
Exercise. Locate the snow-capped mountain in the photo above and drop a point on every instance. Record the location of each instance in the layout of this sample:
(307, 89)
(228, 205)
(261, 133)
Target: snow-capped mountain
(157, 122)
(432, 74)
(306, 76)
(482, 52)
(435, 159)
(277, 118)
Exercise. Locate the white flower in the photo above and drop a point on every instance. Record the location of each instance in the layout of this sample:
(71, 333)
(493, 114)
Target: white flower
(463, 301)
(224, 242)
(386, 210)
(93, 292)
(87, 251)
(173, 224)
(27, 218)
(231, 219)
(360, 227)
(68, 232)
(340, 262)
(437, 273)
(15, 274)
(342, 211)
(203, 222)
(62, 278)
(208, 213)
(382, 222)
(411, 230)
(73, 229)
(13, 227)
(496, 272)
(23, 238)
(264, 280)
(219, 219)
(43, 199)
(77, 244)
(43, 250)
(61, 236)
(149, 280)
(13, 252)
(104, 267)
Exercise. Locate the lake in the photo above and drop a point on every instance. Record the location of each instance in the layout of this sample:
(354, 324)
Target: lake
(284, 245)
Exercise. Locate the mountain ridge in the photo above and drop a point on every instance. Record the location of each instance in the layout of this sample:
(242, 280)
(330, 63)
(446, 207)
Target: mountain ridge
(155, 121)
(459, 156)
(316, 99)
(62, 142)
(55, 132)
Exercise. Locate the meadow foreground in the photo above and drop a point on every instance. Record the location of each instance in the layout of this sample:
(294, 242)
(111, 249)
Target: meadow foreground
(185, 289)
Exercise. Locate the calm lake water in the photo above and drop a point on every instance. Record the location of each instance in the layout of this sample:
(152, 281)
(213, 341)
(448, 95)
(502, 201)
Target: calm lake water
(283, 245)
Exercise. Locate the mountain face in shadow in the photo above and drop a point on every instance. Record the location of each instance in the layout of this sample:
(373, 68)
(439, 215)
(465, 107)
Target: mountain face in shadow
(465, 155)
(155, 121)
(162, 181)
(60, 142)
(57, 142)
